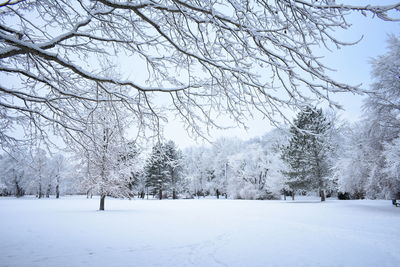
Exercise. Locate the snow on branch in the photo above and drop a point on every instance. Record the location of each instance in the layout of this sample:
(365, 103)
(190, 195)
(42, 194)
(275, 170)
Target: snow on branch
(63, 57)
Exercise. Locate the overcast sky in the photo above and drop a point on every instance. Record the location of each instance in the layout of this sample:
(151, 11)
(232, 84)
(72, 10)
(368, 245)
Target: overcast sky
(351, 64)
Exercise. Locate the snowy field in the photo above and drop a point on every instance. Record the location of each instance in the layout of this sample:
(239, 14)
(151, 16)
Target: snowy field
(71, 232)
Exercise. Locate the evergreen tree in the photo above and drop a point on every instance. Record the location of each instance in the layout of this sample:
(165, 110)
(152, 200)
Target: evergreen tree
(173, 165)
(164, 170)
(306, 155)
(155, 178)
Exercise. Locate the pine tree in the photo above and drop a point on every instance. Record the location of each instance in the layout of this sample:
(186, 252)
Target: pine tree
(173, 165)
(306, 155)
(163, 170)
(155, 178)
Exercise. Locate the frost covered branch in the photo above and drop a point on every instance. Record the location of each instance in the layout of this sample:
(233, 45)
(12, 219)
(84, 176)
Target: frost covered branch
(207, 57)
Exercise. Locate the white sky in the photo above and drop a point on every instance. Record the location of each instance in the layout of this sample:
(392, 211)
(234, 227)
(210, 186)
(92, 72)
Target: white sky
(351, 64)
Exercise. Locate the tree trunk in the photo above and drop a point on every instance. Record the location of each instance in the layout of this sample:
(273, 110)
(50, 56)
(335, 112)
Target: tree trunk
(292, 195)
(322, 194)
(174, 194)
(19, 192)
(102, 202)
(48, 191)
(160, 194)
(57, 191)
(58, 187)
(217, 193)
(40, 194)
(284, 196)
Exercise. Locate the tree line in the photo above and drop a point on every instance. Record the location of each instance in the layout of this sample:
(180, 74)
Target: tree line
(317, 153)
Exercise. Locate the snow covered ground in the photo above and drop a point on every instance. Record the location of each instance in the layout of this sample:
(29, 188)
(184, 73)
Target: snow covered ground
(71, 232)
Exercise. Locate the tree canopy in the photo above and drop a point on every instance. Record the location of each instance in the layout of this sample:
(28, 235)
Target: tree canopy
(208, 57)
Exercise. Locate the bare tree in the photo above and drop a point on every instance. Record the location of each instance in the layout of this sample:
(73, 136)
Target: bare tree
(101, 146)
(206, 56)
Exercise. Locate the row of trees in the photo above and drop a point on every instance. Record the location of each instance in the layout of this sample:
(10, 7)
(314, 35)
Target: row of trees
(33, 172)
(281, 162)
(314, 155)
(236, 168)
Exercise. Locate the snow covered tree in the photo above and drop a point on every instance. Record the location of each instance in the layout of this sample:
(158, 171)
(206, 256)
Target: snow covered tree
(129, 167)
(383, 109)
(235, 168)
(164, 170)
(58, 166)
(33, 171)
(306, 155)
(368, 165)
(392, 167)
(173, 164)
(198, 164)
(156, 179)
(84, 172)
(352, 166)
(383, 122)
(383, 104)
(251, 178)
(222, 149)
(39, 172)
(13, 176)
(100, 147)
(206, 56)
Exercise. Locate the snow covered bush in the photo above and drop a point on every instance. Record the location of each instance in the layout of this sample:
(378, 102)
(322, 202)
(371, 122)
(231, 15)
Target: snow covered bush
(250, 174)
